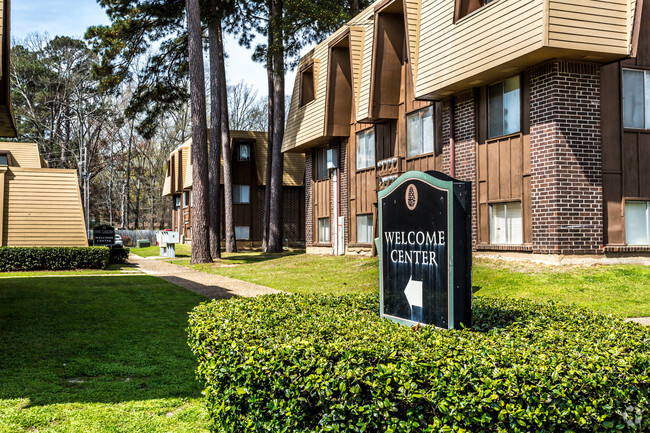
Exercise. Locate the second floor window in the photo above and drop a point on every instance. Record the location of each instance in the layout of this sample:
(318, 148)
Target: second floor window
(504, 108)
(241, 194)
(321, 163)
(419, 132)
(366, 149)
(4, 159)
(243, 152)
(636, 99)
(186, 199)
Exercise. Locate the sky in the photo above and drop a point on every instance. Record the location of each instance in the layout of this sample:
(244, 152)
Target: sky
(73, 17)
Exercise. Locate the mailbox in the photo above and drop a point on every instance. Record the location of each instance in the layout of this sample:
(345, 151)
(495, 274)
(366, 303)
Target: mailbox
(167, 242)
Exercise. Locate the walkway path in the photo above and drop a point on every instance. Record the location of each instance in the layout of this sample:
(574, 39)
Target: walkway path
(209, 285)
(641, 320)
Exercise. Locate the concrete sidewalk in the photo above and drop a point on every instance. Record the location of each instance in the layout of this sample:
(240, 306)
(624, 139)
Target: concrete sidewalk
(209, 285)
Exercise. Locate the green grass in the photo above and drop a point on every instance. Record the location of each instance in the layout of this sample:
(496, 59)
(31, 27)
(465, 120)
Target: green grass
(617, 289)
(298, 273)
(182, 250)
(97, 354)
(111, 270)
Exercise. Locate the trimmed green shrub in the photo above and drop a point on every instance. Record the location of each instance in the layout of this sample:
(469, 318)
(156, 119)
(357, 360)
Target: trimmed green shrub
(52, 258)
(291, 363)
(118, 255)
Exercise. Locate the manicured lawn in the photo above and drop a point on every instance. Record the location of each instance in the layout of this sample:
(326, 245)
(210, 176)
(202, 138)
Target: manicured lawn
(97, 354)
(112, 269)
(297, 272)
(182, 250)
(617, 289)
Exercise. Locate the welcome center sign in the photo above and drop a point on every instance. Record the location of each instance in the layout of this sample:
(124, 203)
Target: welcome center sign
(425, 246)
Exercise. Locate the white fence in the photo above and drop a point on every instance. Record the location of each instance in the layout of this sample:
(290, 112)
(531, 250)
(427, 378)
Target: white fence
(135, 235)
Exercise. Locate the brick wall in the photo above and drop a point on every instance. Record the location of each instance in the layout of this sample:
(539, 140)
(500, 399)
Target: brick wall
(465, 142)
(464, 131)
(309, 208)
(566, 158)
(291, 197)
(343, 166)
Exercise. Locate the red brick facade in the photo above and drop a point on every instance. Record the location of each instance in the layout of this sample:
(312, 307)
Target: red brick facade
(309, 205)
(566, 175)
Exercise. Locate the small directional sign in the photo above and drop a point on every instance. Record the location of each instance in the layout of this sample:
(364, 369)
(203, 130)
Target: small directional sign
(425, 250)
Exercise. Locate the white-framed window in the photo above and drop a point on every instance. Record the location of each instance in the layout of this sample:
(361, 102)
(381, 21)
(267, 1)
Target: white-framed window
(241, 194)
(504, 107)
(419, 132)
(243, 152)
(186, 199)
(242, 233)
(637, 222)
(177, 202)
(364, 229)
(321, 164)
(324, 230)
(366, 149)
(506, 224)
(636, 99)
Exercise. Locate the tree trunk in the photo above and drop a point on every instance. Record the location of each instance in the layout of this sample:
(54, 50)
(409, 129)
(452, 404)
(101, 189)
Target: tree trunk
(275, 212)
(137, 206)
(200, 236)
(126, 198)
(355, 7)
(215, 137)
(269, 152)
(231, 244)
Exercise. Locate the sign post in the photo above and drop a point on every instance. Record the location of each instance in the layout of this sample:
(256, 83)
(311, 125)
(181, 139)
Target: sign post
(425, 250)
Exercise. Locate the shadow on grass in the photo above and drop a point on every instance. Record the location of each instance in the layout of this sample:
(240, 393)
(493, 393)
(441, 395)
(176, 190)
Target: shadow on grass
(252, 258)
(97, 339)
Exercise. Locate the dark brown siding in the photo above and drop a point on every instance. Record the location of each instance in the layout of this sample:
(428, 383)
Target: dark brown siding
(626, 153)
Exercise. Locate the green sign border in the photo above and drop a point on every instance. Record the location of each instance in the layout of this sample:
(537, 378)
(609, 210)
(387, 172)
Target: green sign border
(448, 186)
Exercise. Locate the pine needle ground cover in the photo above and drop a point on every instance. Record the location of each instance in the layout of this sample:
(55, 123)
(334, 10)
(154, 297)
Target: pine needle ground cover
(322, 363)
(97, 354)
(615, 289)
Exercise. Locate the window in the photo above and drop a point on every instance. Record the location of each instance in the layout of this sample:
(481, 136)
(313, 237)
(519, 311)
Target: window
(505, 224)
(366, 149)
(466, 7)
(186, 198)
(241, 194)
(243, 152)
(364, 229)
(504, 108)
(177, 202)
(419, 137)
(637, 222)
(324, 230)
(321, 163)
(307, 88)
(242, 233)
(636, 99)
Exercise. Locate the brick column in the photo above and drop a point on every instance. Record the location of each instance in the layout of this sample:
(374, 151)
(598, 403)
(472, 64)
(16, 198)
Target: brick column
(567, 200)
(309, 208)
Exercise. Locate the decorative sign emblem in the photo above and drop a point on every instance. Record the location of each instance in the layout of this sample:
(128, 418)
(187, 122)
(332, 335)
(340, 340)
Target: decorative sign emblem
(425, 250)
(411, 197)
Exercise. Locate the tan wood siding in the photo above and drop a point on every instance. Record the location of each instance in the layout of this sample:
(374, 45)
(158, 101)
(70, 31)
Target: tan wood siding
(42, 207)
(505, 37)
(24, 155)
(357, 37)
(363, 110)
(490, 37)
(412, 9)
(587, 24)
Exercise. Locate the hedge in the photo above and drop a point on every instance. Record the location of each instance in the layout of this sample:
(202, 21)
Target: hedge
(52, 258)
(118, 255)
(291, 363)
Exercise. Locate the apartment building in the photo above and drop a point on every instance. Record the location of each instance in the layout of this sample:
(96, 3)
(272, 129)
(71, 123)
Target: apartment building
(544, 105)
(249, 153)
